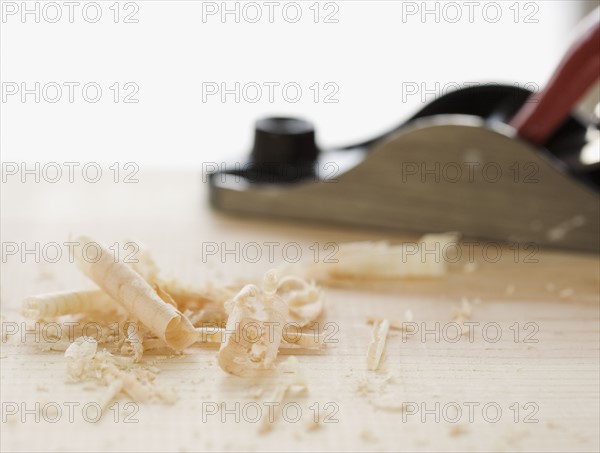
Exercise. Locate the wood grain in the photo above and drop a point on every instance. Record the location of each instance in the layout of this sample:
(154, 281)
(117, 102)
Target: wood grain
(558, 374)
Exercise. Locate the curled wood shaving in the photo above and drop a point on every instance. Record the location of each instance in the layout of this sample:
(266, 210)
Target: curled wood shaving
(377, 345)
(193, 298)
(303, 298)
(67, 302)
(130, 289)
(165, 296)
(144, 263)
(255, 329)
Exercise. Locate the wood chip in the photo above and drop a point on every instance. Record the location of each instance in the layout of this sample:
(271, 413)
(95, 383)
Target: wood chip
(291, 380)
(377, 345)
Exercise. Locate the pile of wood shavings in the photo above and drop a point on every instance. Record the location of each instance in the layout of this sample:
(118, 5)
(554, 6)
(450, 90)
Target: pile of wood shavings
(136, 312)
(156, 315)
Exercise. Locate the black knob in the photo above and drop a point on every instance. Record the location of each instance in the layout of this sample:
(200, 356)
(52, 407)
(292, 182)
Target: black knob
(285, 142)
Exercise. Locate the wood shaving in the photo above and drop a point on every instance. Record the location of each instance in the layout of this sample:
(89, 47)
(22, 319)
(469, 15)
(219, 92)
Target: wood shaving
(255, 329)
(295, 341)
(394, 323)
(144, 263)
(560, 231)
(130, 289)
(292, 381)
(463, 314)
(303, 298)
(377, 345)
(165, 296)
(133, 344)
(382, 261)
(388, 403)
(365, 385)
(85, 362)
(308, 341)
(207, 303)
(65, 303)
(254, 392)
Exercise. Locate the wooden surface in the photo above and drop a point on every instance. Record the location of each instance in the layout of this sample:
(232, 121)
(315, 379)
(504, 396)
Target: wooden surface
(558, 374)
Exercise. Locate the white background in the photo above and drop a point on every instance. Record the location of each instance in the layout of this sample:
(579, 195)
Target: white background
(369, 54)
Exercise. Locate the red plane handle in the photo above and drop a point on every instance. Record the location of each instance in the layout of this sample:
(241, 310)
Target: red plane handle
(579, 69)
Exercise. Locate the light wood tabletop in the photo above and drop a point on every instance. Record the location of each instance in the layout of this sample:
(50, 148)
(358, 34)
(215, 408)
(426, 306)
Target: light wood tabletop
(527, 379)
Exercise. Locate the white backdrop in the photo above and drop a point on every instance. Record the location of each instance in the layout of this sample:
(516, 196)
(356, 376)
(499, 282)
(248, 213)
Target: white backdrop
(370, 57)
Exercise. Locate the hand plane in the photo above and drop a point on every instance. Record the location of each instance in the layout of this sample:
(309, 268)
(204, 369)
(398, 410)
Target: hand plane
(495, 162)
